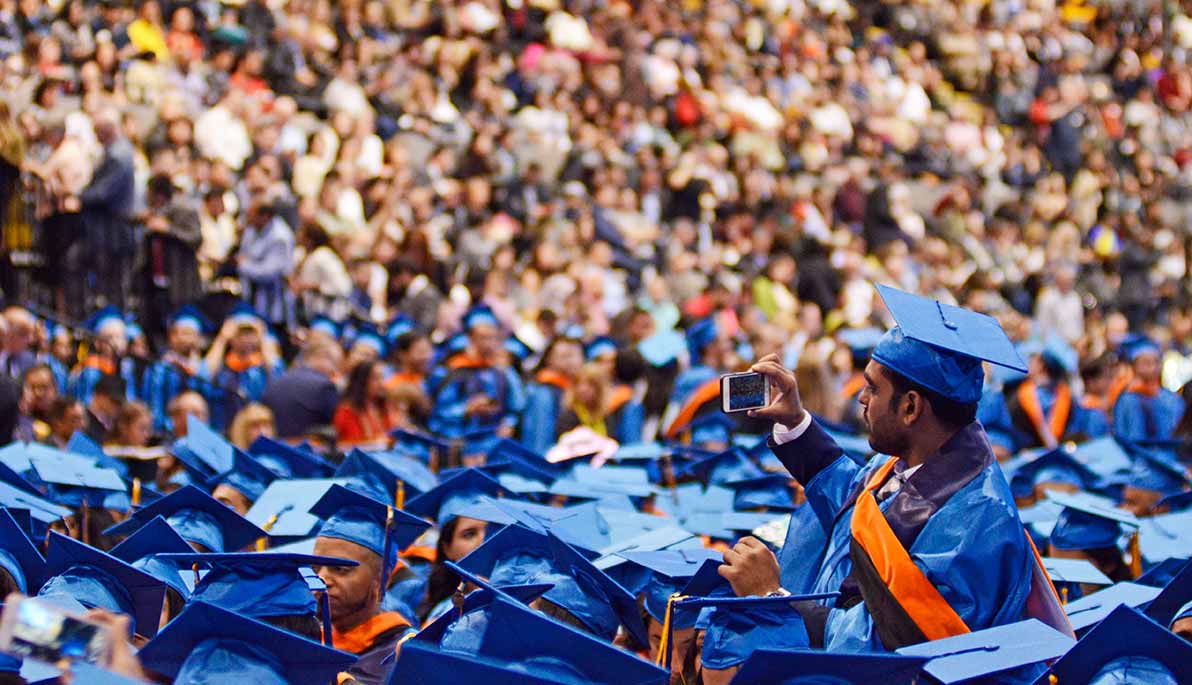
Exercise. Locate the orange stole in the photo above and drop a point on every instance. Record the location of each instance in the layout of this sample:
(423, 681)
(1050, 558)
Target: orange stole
(915, 593)
(704, 394)
(618, 398)
(361, 638)
(852, 386)
(1028, 399)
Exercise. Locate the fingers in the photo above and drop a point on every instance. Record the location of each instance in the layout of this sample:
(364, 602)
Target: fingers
(732, 557)
(749, 542)
(780, 377)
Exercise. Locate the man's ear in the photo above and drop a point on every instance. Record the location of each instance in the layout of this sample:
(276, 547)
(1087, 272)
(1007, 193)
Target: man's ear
(914, 405)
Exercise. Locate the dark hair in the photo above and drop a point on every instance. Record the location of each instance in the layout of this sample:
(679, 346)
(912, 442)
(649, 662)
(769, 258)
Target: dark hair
(59, 407)
(357, 391)
(951, 413)
(550, 348)
(1096, 367)
(111, 386)
(629, 365)
(406, 340)
(442, 581)
(8, 584)
(34, 369)
(305, 625)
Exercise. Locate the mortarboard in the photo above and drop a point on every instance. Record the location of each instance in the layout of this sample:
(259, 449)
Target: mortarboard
(669, 571)
(1153, 470)
(520, 351)
(728, 466)
(1161, 573)
(1085, 523)
(451, 347)
(1074, 572)
(1177, 502)
(1165, 536)
(1090, 609)
(860, 341)
(378, 474)
(480, 315)
(599, 346)
(941, 346)
(287, 461)
(517, 556)
(662, 348)
(699, 335)
(1135, 345)
(376, 526)
(283, 510)
(190, 316)
(207, 644)
(19, 557)
(243, 313)
(526, 640)
(447, 499)
(739, 626)
(247, 476)
(1176, 594)
(73, 480)
(421, 663)
(1125, 633)
(368, 335)
(1054, 466)
(332, 329)
(198, 518)
(399, 326)
(772, 491)
(818, 667)
(213, 452)
(142, 549)
(985, 653)
(97, 321)
(99, 580)
(41, 510)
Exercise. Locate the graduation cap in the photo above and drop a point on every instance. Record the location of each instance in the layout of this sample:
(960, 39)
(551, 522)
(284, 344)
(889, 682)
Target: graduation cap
(941, 346)
(662, 347)
(378, 474)
(368, 335)
(143, 549)
(480, 315)
(74, 481)
(189, 316)
(243, 314)
(399, 326)
(815, 666)
(283, 510)
(447, 499)
(771, 491)
(729, 466)
(421, 663)
(1176, 594)
(528, 641)
(1054, 466)
(324, 325)
(206, 643)
(1103, 456)
(247, 476)
(1091, 609)
(378, 527)
(1084, 523)
(1074, 572)
(288, 461)
(1161, 573)
(739, 626)
(19, 557)
(1135, 345)
(451, 346)
(520, 351)
(518, 556)
(1124, 636)
(41, 511)
(198, 518)
(100, 319)
(599, 346)
(989, 652)
(100, 580)
(699, 335)
(1153, 470)
(860, 342)
(213, 453)
(669, 571)
(419, 442)
(1165, 536)
(1178, 502)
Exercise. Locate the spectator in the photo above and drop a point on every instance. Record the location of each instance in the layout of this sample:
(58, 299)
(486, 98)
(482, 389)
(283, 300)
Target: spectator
(107, 205)
(305, 397)
(65, 417)
(255, 420)
(38, 393)
(265, 260)
(184, 405)
(364, 416)
(1059, 309)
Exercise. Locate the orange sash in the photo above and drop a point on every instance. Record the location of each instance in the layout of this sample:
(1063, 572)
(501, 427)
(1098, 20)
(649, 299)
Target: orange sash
(552, 377)
(852, 386)
(465, 360)
(362, 637)
(915, 593)
(403, 378)
(1145, 389)
(240, 363)
(619, 397)
(1123, 380)
(1028, 399)
(105, 365)
(704, 394)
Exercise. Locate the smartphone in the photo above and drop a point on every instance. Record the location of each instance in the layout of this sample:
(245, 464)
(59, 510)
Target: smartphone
(742, 391)
(36, 629)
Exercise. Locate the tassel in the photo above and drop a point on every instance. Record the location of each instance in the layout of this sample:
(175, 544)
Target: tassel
(1135, 556)
(136, 492)
(325, 616)
(663, 658)
(263, 543)
(400, 498)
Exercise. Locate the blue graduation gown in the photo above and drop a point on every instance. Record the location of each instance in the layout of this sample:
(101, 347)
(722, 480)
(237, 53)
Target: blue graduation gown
(1012, 431)
(539, 420)
(972, 548)
(231, 390)
(686, 386)
(448, 418)
(1138, 417)
(83, 379)
(162, 383)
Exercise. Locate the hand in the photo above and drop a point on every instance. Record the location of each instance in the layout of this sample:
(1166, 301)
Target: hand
(72, 203)
(481, 406)
(751, 568)
(123, 660)
(157, 224)
(785, 406)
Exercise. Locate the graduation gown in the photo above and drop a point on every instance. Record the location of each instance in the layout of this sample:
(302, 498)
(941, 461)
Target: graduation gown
(1146, 413)
(164, 381)
(626, 416)
(1019, 417)
(544, 400)
(466, 378)
(235, 385)
(81, 384)
(697, 392)
(956, 518)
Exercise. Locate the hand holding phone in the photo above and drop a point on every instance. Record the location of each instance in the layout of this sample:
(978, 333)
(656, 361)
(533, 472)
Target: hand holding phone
(34, 628)
(743, 391)
(784, 405)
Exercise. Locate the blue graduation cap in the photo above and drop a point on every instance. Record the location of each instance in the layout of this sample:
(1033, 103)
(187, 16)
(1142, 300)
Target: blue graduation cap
(669, 571)
(418, 442)
(1074, 572)
(1084, 523)
(451, 347)
(399, 326)
(289, 462)
(103, 317)
(208, 644)
(662, 347)
(1176, 594)
(74, 481)
(739, 626)
(247, 476)
(378, 474)
(1165, 536)
(368, 335)
(1154, 470)
(941, 346)
(519, 556)
(529, 641)
(990, 652)
(860, 342)
(242, 313)
(144, 548)
(599, 346)
(811, 666)
(18, 557)
(480, 315)
(729, 466)
(198, 518)
(378, 527)
(191, 317)
(208, 447)
(445, 501)
(1135, 345)
(1161, 573)
(699, 335)
(1120, 642)
(506, 450)
(1178, 502)
(520, 350)
(1054, 466)
(100, 580)
(324, 325)
(42, 512)
(771, 491)
(421, 663)
(283, 510)
(1091, 609)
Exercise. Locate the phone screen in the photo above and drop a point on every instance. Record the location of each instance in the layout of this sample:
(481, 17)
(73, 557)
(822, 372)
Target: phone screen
(747, 391)
(44, 632)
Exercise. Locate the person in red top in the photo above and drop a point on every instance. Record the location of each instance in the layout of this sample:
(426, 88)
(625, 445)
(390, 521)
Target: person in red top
(364, 415)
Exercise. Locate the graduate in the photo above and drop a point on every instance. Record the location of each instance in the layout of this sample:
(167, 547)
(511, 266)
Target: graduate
(697, 390)
(561, 364)
(477, 389)
(240, 362)
(179, 367)
(923, 545)
(1146, 411)
(860, 343)
(105, 356)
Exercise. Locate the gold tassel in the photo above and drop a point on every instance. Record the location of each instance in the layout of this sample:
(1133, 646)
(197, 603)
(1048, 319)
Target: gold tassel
(263, 543)
(1135, 556)
(136, 492)
(400, 499)
(663, 658)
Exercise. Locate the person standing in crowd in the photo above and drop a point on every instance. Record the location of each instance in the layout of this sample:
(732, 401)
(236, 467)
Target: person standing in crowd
(107, 205)
(18, 354)
(265, 258)
(240, 363)
(104, 407)
(306, 397)
(178, 369)
(172, 240)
